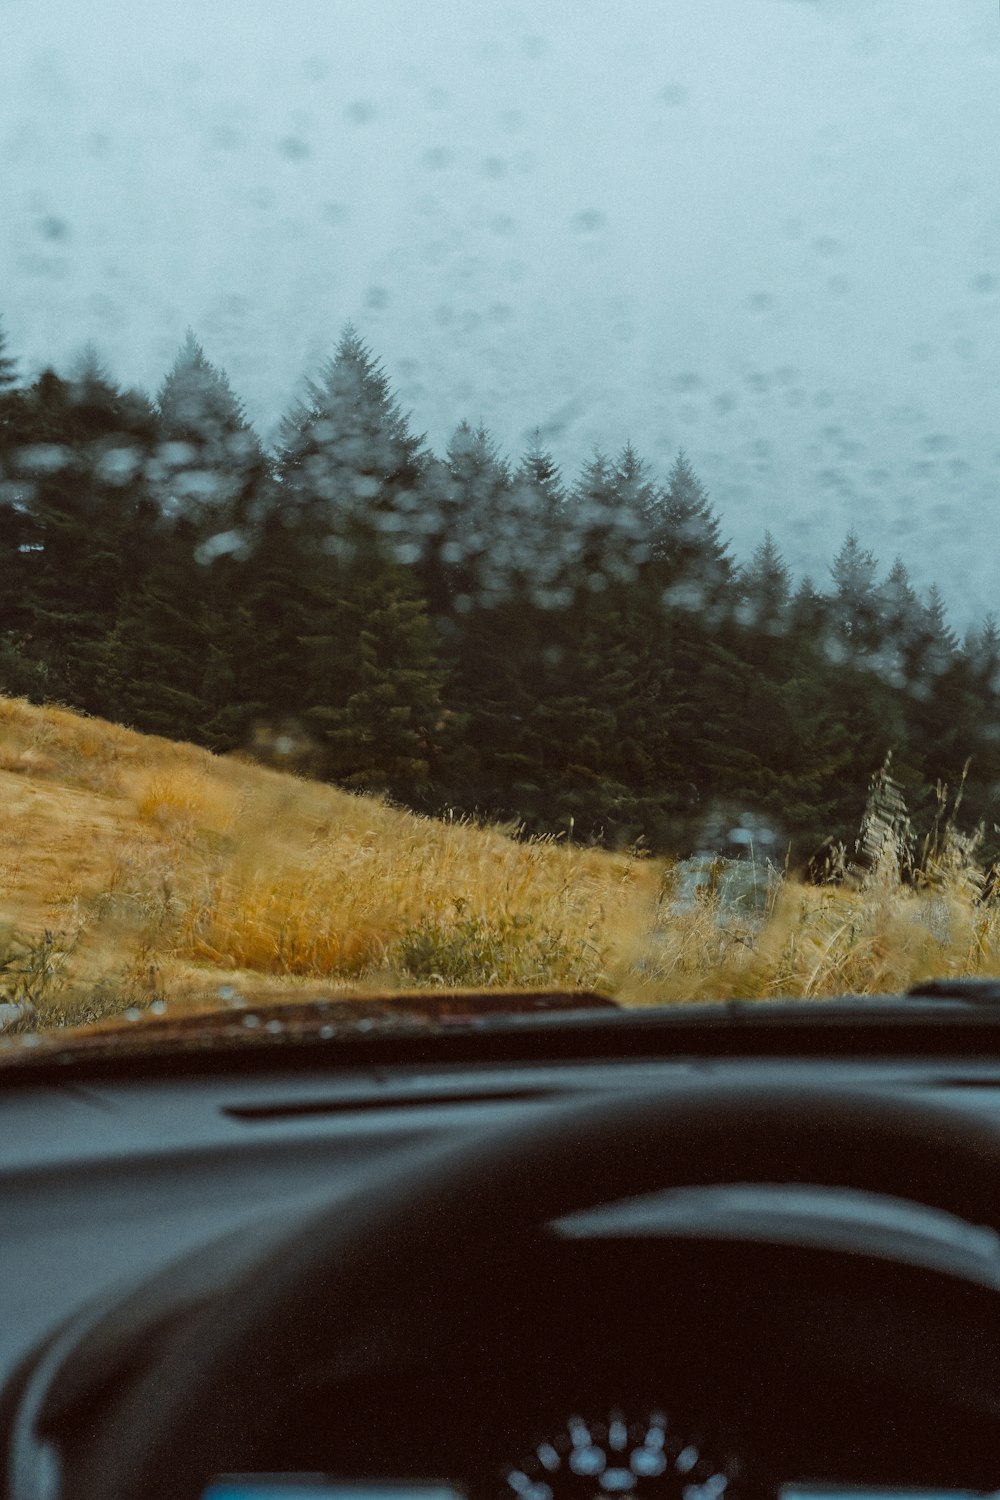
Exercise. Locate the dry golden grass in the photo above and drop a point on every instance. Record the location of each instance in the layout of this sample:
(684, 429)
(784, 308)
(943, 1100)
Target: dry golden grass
(169, 872)
(165, 874)
(870, 938)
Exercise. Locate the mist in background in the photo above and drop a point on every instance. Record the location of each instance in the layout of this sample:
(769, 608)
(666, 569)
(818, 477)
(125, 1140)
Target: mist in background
(766, 231)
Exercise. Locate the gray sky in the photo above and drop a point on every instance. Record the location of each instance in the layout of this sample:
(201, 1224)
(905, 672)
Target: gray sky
(765, 230)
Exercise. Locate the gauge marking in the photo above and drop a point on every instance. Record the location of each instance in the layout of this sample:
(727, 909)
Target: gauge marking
(648, 1463)
(686, 1459)
(547, 1457)
(615, 1459)
(617, 1480)
(587, 1461)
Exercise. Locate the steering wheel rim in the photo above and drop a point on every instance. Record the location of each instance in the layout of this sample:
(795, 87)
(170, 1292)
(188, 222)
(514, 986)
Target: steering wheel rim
(175, 1428)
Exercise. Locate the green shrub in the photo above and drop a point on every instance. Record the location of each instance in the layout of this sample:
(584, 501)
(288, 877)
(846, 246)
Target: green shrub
(473, 951)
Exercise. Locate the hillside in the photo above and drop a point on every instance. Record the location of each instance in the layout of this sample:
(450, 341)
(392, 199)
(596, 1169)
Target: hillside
(163, 873)
(138, 874)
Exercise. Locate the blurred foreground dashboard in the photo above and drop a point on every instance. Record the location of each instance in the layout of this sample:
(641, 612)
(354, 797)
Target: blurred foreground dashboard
(740, 1338)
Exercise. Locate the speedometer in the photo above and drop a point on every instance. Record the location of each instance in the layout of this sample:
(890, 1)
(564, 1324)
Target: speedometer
(620, 1455)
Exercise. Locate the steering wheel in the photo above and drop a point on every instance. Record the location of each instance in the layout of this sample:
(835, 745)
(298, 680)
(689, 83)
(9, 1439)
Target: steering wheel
(407, 1237)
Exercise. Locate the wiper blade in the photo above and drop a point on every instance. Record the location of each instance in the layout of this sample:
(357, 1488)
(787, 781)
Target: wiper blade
(277, 1022)
(966, 991)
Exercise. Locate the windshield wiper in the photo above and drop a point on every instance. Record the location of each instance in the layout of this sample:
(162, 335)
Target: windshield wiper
(966, 991)
(244, 1023)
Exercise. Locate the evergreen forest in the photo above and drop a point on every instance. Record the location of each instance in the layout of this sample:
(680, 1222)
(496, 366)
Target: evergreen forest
(466, 633)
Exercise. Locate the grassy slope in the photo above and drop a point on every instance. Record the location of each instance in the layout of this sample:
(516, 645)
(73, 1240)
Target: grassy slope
(168, 874)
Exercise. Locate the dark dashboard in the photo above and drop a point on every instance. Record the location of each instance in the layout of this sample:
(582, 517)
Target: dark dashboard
(549, 1261)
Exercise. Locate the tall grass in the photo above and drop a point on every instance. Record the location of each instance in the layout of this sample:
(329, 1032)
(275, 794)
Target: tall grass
(170, 871)
(165, 875)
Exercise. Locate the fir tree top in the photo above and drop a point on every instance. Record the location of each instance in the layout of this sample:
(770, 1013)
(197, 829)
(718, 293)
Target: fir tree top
(8, 366)
(196, 401)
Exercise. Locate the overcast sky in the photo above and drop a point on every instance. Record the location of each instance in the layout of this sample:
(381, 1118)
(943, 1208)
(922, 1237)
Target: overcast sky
(767, 231)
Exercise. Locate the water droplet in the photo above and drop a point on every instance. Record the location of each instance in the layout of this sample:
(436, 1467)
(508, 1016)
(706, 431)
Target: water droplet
(588, 221)
(293, 148)
(674, 95)
(53, 228)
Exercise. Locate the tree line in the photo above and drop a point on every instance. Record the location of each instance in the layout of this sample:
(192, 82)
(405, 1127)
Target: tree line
(464, 633)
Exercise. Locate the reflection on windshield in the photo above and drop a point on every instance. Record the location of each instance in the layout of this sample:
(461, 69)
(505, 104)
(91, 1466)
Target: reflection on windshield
(654, 665)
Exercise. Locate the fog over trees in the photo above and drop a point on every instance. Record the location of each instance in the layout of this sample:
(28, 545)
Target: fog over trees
(467, 632)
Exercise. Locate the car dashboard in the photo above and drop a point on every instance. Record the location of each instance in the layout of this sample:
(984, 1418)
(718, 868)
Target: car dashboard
(758, 1339)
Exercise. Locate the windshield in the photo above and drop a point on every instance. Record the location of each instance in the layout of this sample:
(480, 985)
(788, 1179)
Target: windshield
(495, 497)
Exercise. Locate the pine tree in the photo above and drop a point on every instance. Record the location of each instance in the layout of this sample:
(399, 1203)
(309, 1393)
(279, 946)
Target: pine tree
(157, 656)
(765, 587)
(538, 503)
(385, 736)
(942, 640)
(694, 562)
(196, 401)
(347, 463)
(637, 493)
(605, 521)
(17, 673)
(211, 465)
(943, 710)
(980, 657)
(344, 506)
(855, 601)
(8, 367)
(982, 649)
(539, 473)
(903, 623)
(470, 546)
(86, 443)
